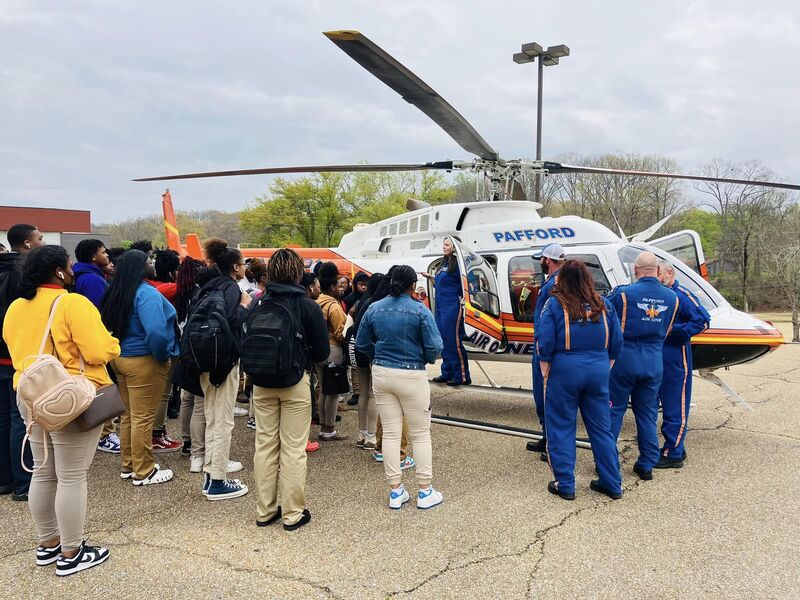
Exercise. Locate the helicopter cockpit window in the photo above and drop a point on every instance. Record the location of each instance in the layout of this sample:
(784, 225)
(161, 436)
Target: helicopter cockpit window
(525, 278)
(481, 284)
(596, 269)
(685, 275)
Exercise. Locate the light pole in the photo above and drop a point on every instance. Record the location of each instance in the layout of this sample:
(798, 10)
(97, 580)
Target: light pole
(530, 52)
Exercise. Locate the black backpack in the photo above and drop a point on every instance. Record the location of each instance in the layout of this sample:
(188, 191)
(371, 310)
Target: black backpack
(208, 344)
(274, 352)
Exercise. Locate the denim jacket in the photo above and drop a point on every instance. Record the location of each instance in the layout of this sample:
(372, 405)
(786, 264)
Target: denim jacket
(399, 333)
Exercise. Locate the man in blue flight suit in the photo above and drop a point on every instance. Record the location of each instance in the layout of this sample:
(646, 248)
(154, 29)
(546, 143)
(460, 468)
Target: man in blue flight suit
(676, 385)
(646, 310)
(551, 258)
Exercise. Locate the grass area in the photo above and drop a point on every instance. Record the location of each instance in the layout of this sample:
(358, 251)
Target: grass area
(775, 317)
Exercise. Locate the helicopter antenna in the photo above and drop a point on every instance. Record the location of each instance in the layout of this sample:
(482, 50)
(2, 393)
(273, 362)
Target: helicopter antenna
(619, 227)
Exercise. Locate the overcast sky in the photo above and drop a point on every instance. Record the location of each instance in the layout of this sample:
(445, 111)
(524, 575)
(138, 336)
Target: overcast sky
(95, 93)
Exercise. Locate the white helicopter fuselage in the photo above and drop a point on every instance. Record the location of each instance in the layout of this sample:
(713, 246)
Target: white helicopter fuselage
(495, 243)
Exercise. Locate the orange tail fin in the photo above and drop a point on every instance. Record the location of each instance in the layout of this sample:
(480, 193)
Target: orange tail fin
(171, 224)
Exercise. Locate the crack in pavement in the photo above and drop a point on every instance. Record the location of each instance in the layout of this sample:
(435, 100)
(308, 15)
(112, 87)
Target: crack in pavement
(230, 565)
(538, 541)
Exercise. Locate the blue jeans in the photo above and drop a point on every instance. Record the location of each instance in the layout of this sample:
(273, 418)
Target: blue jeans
(12, 432)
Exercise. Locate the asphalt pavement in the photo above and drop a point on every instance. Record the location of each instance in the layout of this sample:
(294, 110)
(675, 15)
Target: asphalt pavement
(724, 526)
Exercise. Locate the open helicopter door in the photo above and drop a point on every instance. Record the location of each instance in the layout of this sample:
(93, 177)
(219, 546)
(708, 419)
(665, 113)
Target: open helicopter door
(481, 302)
(686, 246)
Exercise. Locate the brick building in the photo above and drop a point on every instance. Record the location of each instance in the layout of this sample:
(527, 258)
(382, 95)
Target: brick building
(59, 226)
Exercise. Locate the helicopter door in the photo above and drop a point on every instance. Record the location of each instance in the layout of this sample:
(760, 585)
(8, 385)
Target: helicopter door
(481, 302)
(686, 246)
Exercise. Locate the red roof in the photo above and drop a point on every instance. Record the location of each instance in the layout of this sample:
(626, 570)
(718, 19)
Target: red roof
(47, 219)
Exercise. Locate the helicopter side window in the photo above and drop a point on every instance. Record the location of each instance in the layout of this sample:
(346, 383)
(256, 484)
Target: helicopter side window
(686, 277)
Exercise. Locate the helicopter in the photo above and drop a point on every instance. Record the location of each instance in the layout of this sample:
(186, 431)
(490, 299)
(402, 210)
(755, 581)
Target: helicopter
(495, 240)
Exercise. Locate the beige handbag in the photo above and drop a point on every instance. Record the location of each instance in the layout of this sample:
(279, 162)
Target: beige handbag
(52, 397)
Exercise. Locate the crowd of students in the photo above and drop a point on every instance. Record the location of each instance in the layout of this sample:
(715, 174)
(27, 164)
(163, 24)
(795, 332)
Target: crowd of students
(209, 333)
(294, 345)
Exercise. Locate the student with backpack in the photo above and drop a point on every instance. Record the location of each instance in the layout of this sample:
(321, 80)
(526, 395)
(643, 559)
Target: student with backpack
(144, 321)
(210, 351)
(285, 337)
(82, 345)
(14, 480)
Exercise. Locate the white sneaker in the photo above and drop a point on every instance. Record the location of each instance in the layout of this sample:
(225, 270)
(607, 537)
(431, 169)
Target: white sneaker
(156, 476)
(234, 466)
(429, 498)
(398, 497)
(196, 464)
(240, 412)
(131, 474)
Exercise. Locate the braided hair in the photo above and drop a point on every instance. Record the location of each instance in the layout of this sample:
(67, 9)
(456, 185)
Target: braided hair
(285, 266)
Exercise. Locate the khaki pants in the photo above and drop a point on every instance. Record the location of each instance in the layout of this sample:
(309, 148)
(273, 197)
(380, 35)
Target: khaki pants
(197, 426)
(141, 381)
(108, 429)
(283, 418)
(161, 412)
(219, 403)
(403, 439)
(185, 416)
(399, 393)
(57, 496)
(367, 409)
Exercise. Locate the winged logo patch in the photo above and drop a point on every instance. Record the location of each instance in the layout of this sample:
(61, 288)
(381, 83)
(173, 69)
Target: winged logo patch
(652, 310)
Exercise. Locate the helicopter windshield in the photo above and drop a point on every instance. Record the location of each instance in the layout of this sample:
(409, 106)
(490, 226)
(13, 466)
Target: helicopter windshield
(685, 275)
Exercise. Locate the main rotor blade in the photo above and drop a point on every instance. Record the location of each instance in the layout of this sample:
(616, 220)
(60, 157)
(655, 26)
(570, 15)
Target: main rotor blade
(443, 165)
(413, 90)
(561, 168)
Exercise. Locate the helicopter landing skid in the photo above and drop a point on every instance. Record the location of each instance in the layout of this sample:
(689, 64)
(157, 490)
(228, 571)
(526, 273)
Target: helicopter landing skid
(531, 434)
(729, 391)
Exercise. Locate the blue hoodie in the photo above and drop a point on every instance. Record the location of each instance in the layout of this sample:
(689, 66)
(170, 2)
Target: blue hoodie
(151, 331)
(90, 282)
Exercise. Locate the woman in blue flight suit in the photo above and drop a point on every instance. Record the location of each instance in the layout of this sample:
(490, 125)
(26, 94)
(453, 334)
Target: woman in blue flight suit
(578, 340)
(450, 318)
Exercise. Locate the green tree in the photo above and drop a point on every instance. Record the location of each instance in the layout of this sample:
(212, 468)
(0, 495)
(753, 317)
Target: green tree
(317, 210)
(705, 223)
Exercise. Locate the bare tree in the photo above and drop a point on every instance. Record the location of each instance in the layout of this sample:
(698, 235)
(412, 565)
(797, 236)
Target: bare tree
(782, 264)
(746, 212)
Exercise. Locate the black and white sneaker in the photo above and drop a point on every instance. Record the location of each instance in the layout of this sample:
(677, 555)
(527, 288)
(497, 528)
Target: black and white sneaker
(86, 558)
(47, 556)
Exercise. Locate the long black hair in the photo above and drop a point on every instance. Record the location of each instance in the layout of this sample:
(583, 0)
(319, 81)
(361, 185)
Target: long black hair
(39, 268)
(372, 287)
(117, 304)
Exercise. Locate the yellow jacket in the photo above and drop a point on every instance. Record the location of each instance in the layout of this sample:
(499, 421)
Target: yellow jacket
(335, 318)
(76, 327)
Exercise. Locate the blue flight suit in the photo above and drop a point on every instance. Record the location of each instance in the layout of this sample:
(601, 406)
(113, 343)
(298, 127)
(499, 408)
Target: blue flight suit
(538, 381)
(450, 321)
(676, 385)
(579, 353)
(646, 310)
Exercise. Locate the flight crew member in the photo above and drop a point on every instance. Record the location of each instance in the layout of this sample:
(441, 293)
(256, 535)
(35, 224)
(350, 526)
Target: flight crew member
(450, 318)
(579, 339)
(551, 258)
(676, 385)
(646, 310)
